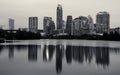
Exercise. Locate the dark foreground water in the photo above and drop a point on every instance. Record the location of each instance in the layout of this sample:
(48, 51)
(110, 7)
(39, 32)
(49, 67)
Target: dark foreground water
(64, 57)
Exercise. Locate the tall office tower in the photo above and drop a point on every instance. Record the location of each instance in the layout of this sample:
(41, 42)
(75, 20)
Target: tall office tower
(102, 22)
(51, 28)
(69, 25)
(33, 24)
(46, 22)
(91, 25)
(48, 25)
(80, 26)
(11, 24)
(59, 17)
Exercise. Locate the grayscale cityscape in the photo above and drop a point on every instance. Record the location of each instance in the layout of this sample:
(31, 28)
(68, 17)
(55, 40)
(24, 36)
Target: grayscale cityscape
(71, 26)
(63, 44)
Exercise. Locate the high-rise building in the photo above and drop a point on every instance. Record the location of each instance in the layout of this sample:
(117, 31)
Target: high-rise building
(69, 25)
(75, 26)
(51, 28)
(11, 24)
(59, 17)
(49, 25)
(91, 25)
(82, 25)
(102, 22)
(46, 22)
(33, 24)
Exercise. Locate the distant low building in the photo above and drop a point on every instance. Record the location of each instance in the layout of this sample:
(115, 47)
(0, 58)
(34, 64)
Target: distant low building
(1, 27)
(24, 29)
(11, 24)
(115, 30)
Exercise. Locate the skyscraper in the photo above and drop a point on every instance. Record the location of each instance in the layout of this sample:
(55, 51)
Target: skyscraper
(11, 24)
(49, 25)
(59, 17)
(33, 24)
(91, 25)
(80, 26)
(46, 22)
(69, 25)
(102, 22)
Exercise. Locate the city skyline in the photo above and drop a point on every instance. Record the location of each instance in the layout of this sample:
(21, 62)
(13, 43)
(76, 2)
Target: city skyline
(21, 11)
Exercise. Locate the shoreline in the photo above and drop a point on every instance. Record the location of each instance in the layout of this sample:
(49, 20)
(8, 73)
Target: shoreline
(89, 43)
(59, 39)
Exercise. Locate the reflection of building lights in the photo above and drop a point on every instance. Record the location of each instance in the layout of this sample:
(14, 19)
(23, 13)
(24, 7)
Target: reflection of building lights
(47, 54)
(60, 46)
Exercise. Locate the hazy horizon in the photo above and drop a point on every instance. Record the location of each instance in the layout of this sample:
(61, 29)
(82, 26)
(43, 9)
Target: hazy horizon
(20, 10)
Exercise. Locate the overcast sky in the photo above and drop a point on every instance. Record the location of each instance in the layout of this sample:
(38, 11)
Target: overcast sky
(20, 10)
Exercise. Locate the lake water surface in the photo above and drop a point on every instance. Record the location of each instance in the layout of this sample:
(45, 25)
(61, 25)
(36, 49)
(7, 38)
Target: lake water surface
(63, 57)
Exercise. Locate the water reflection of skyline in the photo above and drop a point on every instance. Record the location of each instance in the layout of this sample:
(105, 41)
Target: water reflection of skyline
(79, 54)
(32, 52)
(11, 52)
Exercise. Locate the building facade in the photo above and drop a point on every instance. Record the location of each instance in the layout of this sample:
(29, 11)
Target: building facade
(69, 25)
(33, 24)
(102, 22)
(59, 17)
(51, 28)
(48, 26)
(11, 24)
(46, 22)
(24, 29)
(82, 25)
(91, 25)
